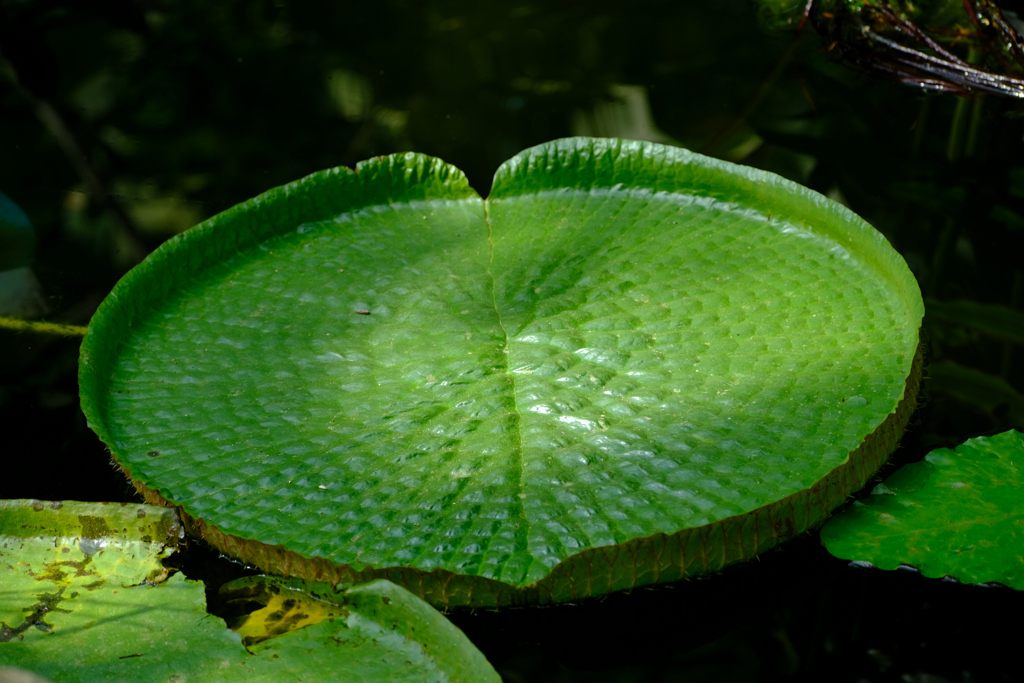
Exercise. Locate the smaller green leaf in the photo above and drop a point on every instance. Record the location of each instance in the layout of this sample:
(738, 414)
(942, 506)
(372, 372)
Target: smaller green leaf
(996, 321)
(956, 513)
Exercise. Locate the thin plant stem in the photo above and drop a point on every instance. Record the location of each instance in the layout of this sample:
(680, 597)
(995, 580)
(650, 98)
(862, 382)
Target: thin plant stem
(42, 328)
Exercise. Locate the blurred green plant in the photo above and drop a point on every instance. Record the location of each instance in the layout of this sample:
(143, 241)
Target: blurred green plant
(21, 295)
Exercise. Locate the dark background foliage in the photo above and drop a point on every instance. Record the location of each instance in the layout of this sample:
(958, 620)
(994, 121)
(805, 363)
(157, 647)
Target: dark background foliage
(124, 122)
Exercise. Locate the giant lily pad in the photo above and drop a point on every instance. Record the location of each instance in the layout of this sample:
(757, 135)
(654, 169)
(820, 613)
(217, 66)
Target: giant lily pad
(629, 364)
(86, 599)
(956, 513)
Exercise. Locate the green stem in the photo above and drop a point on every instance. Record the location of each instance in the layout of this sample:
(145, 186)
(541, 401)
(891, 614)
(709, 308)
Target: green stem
(42, 328)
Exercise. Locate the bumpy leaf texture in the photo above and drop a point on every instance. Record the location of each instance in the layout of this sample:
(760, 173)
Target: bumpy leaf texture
(629, 364)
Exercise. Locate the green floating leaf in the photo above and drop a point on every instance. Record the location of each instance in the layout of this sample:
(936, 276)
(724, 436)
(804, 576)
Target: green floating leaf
(85, 598)
(630, 364)
(957, 513)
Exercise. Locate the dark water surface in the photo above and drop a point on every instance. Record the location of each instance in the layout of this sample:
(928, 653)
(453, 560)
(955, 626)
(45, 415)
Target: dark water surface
(183, 109)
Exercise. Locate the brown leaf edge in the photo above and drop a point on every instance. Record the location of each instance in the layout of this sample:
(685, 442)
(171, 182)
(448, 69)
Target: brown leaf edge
(658, 558)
